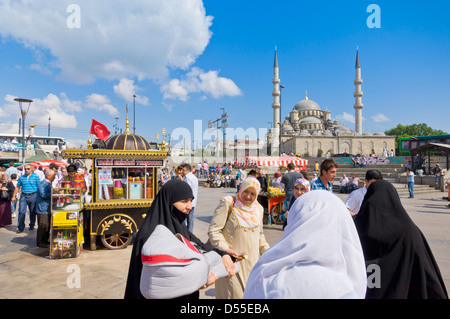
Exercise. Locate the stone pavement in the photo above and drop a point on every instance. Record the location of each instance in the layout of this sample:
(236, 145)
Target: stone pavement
(26, 273)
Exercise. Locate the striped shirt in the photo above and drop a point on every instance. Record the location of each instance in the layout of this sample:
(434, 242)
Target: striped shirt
(29, 184)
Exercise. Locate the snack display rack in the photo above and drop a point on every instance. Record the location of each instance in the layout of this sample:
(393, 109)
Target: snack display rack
(66, 229)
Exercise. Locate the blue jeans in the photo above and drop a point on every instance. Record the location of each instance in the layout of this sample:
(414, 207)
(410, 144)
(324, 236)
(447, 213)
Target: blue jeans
(25, 201)
(190, 220)
(411, 189)
(13, 206)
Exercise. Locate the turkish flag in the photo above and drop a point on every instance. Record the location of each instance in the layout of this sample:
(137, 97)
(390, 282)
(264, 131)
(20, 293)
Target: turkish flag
(99, 130)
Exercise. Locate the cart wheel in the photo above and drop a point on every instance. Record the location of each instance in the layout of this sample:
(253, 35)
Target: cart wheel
(116, 241)
(276, 218)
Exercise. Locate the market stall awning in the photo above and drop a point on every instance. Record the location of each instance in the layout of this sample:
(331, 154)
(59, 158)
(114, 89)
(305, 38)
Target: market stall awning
(271, 161)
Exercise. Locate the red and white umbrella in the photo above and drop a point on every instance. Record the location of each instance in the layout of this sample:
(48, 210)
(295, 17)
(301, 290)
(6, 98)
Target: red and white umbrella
(46, 164)
(271, 161)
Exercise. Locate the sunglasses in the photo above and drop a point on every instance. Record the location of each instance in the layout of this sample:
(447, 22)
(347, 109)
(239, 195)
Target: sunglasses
(27, 169)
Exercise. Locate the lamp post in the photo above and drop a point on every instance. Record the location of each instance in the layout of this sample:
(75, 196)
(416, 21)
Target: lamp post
(134, 114)
(116, 126)
(281, 87)
(24, 112)
(49, 118)
(224, 136)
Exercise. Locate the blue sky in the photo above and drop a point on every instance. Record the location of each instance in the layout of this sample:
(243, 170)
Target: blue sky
(187, 60)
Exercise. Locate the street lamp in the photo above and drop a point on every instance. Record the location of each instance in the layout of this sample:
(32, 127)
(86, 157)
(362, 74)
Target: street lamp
(24, 112)
(281, 120)
(116, 126)
(49, 118)
(224, 134)
(134, 114)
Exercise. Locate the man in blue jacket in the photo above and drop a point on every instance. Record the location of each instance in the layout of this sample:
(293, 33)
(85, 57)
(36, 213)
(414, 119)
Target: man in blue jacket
(43, 202)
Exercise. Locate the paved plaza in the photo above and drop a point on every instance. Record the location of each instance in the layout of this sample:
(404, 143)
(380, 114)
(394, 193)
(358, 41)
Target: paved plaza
(27, 273)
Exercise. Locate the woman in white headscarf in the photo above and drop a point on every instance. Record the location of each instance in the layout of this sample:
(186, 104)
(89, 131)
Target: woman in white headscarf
(237, 229)
(318, 257)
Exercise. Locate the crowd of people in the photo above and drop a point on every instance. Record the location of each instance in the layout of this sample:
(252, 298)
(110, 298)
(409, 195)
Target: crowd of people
(29, 190)
(326, 250)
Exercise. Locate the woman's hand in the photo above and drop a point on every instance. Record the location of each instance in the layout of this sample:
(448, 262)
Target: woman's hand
(229, 265)
(211, 280)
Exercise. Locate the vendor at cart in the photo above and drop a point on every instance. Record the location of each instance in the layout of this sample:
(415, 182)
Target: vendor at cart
(70, 177)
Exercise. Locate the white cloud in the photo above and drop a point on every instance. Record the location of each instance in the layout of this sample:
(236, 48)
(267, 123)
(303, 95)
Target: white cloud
(199, 81)
(346, 117)
(100, 103)
(115, 40)
(126, 89)
(380, 118)
(175, 90)
(41, 109)
(68, 105)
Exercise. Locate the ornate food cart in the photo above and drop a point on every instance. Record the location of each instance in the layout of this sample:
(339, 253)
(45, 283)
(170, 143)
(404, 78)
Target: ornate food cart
(124, 184)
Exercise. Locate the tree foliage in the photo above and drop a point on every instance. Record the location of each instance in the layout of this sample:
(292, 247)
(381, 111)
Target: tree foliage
(413, 130)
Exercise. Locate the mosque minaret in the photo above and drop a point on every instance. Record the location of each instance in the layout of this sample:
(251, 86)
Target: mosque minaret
(276, 97)
(358, 96)
(309, 130)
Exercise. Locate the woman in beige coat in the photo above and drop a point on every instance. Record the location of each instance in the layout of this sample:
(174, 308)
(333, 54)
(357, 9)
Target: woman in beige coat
(236, 228)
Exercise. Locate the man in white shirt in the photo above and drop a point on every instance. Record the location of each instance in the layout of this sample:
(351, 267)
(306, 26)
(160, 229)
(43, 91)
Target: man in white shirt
(38, 171)
(356, 197)
(344, 181)
(12, 170)
(190, 178)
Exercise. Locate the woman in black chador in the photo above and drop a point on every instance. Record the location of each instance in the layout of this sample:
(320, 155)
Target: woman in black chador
(391, 240)
(164, 211)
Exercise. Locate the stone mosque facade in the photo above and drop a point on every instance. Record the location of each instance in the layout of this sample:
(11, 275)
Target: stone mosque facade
(308, 130)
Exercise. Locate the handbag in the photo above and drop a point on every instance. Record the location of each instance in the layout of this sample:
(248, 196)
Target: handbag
(4, 194)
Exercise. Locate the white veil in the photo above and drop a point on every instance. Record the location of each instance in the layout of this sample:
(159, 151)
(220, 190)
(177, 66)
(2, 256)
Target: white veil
(318, 257)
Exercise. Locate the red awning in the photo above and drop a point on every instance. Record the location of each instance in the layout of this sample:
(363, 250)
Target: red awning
(271, 161)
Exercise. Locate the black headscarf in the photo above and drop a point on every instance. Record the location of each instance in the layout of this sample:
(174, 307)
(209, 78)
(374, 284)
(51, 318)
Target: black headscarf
(391, 240)
(161, 212)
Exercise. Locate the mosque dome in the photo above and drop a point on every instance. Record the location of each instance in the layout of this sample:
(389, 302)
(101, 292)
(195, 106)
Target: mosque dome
(367, 134)
(379, 133)
(316, 133)
(341, 129)
(307, 104)
(287, 128)
(304, 133)
(327, 133)
(310, 120)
